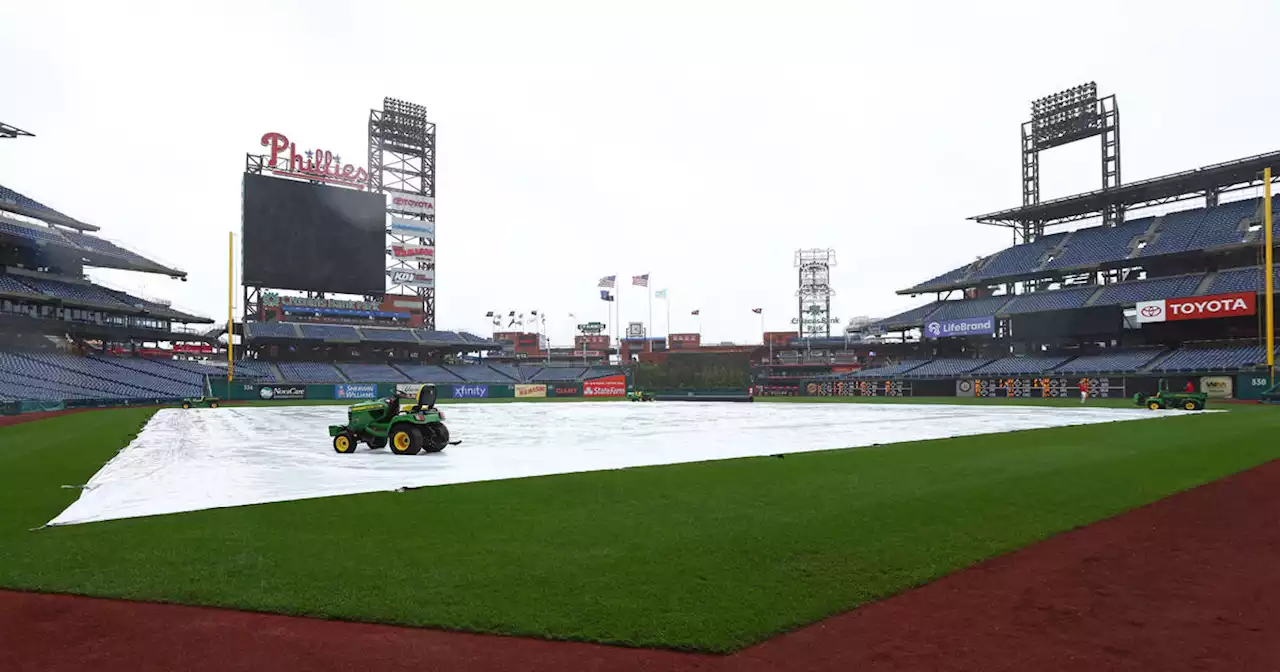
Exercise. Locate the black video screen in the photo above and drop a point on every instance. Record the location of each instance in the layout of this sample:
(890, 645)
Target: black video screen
(304, 236)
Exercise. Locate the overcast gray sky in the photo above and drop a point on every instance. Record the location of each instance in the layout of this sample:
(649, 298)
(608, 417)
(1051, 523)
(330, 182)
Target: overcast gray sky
(701, 142)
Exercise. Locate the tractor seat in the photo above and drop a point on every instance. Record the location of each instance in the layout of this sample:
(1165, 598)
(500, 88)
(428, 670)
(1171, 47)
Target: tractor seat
(426, 399)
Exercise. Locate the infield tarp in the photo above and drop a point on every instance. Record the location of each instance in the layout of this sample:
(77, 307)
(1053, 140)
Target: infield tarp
(233, 456)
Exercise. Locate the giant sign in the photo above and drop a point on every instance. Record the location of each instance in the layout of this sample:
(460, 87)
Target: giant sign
(273, 300)
(270, 392)
(416, 204)
(355, 391)
(527, 391)
(1198, 307)
(608, 386)
(969, 326)
(413, 227)
(470, 391)
(318, 165)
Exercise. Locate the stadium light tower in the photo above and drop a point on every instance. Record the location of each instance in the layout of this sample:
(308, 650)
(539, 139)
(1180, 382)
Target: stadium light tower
(1062, 118)
(402, 157)
(814, 294)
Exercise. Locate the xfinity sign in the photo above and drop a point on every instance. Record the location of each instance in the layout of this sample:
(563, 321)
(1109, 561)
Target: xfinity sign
(969, 326)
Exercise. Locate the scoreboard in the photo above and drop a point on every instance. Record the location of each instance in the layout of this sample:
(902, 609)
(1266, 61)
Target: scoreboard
(859, 388)
(1046, 387)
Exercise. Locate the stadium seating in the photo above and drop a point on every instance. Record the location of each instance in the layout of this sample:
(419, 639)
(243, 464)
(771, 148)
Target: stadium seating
(956, 310)
(510, 371)
(249, 368)
(479, 373)
(10, 196)
(559, 374)
(1113, 362)
(272, 330)
(94, 380)
(1212, 359)
(14, 285)
(898, 369)
(1098, 245)
(329, 332)
(33, 232)
(155, 368)
(437, 336)
(942, 368)
(309, 372)
(1052, 299)
(1247, 279)
(372, 373)
(1017, 259)
(1148, 290)
(68, 291)
(426, 373)
(381, 335)
(1009, 366)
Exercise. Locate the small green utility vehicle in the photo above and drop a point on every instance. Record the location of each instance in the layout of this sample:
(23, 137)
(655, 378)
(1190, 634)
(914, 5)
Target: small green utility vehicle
(639, 396)
(1187, 401)
(408, 430)
(208, 402)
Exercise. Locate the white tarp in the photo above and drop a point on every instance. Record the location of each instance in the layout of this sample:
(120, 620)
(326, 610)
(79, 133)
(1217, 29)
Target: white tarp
(210, 458)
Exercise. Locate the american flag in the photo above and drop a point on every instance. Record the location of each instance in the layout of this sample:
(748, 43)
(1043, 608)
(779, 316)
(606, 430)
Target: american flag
(757, 311)
(640, 280)
(696, 312)
(608, 281)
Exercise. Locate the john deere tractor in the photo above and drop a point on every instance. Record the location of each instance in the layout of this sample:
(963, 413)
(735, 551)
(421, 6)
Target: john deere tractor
(1187, 401)
(408, 430)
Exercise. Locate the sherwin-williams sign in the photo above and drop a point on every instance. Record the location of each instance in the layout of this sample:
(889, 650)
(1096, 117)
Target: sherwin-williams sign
(357, 391)
(969, 326)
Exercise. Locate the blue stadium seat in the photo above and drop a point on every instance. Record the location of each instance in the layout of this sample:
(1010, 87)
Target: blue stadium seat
(272, 330)
(1148, 290)
(33, 232)
(69, 291)
(902, 367)
(329, 332)
(1194, 359)
(388, 335)
(373, 373)
(10, 196)
(479, 373)
(956, 310)
(1018, 259)
(427, 373)
(1009, 366)
(1098, 245)
(910, 318)
(1052, 299)
(1247, 279)
(559, 374)
(11, 284)
(510, 371)
(309, 372)
(942, 368)
(1123, 361)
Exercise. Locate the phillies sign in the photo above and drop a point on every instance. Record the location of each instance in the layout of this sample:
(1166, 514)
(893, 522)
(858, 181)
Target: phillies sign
(319, 164)
(1198, 307)
(413, 203)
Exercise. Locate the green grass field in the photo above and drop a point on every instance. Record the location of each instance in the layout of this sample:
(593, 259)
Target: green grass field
(709, 556)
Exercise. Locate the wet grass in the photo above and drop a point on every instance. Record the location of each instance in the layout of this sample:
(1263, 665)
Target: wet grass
(707, 556)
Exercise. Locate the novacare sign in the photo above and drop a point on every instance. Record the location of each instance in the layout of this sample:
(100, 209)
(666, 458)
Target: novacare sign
(969, 326)
(1198, 307)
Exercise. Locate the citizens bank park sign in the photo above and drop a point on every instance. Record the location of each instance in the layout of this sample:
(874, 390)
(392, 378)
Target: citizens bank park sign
(1198, 307)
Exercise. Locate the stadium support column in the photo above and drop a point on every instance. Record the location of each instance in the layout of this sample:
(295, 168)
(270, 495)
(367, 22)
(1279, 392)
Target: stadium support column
(402, 158)
(1268, 271)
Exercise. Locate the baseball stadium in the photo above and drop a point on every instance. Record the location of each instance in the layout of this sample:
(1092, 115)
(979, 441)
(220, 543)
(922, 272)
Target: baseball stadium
(1063, 457)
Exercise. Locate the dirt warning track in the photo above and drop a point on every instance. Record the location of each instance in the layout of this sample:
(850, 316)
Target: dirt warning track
(1186, 583)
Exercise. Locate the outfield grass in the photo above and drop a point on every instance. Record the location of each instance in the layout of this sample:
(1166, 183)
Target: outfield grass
(708, 556)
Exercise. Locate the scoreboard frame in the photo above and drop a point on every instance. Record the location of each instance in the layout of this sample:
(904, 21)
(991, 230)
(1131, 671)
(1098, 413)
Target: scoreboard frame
(876, 387)
(1041, 387)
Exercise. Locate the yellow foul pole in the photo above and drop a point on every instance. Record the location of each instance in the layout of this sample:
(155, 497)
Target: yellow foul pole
(231, 303)
(1269, 275)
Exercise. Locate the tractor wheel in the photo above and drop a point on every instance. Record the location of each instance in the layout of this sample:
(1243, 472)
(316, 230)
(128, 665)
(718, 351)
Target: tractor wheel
(437, 437)
(406, 440)
(378, 442)
(186, 404)
(213, 404)
(344, 443)
(1191, 405)
(1154, 405)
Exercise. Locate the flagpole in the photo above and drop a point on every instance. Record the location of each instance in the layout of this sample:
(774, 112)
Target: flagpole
(648, 288)
(668, 300)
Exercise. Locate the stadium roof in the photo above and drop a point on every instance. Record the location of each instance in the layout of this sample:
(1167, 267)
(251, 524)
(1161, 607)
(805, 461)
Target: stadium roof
(1220, 177)
(9, 132)
(15, 202)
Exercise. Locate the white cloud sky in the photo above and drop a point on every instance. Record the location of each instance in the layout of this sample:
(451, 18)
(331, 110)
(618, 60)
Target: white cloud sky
(700, 142)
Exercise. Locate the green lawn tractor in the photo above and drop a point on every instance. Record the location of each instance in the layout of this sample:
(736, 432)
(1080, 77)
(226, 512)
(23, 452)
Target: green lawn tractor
(208, 402)
(639, 396)
(1187, 401)
(408, 430)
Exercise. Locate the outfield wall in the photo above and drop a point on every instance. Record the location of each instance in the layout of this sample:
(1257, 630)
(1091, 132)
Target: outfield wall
(1218, 386)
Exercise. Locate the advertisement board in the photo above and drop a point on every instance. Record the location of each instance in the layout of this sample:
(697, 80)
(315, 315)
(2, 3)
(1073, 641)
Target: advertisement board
(274, 392)
(1252, 385)
(608, 386)
(416, 204)
(530, 391)
(414, 252)
(1218, 387)
(355, 391)
(1198, 307)
(408, 390)
(470, 391)
(566, 390)
(969, 326)
(413, 227)
(413, 278)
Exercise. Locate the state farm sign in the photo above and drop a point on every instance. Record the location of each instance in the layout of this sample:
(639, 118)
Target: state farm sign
(1198, 307)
